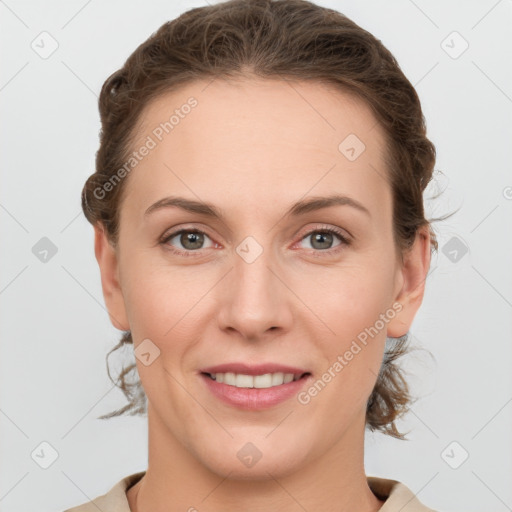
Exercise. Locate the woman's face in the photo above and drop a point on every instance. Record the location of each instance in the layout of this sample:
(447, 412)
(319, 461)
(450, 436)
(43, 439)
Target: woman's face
(263, 282)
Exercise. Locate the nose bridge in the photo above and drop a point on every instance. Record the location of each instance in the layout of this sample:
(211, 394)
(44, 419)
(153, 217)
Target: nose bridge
(254, 282)
(256, 298)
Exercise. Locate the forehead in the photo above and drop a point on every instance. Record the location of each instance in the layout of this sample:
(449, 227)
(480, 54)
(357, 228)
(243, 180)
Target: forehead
(259, 136)
(309, 111)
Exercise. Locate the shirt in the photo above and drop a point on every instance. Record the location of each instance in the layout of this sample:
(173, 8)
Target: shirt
(397, 496)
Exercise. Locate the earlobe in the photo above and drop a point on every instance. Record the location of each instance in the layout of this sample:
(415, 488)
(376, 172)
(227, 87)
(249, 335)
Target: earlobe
(107, 260)
(413, 275)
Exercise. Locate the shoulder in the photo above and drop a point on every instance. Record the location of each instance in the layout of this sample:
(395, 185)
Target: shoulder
(396, 495)
(114, 500)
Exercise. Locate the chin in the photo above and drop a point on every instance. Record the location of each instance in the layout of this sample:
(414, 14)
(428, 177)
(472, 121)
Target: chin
(248, 460)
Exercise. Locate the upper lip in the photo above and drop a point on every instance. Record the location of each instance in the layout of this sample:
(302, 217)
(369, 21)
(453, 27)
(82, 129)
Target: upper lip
(255, 369)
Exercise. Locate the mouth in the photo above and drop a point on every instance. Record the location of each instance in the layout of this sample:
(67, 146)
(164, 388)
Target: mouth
(254, 387)
(266, 380)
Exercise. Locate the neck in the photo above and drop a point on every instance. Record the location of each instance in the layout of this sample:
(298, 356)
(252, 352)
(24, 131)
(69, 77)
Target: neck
(176, 480)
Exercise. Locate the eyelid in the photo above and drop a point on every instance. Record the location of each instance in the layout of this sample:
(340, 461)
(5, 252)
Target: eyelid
(175, 230)
(344, 235)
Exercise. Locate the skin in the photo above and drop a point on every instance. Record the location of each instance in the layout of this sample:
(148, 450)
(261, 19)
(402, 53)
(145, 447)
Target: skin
(252, 148)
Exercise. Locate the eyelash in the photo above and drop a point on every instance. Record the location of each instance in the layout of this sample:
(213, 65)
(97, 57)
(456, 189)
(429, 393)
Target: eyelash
(317, 253)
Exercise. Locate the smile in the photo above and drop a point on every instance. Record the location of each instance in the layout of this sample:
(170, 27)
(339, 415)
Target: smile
(254, 392)
(267, 380)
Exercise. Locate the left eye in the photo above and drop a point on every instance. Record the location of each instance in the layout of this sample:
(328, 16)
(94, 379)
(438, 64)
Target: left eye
(322, 239)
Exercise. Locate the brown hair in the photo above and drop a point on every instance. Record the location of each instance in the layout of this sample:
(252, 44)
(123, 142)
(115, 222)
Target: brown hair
(280, 39)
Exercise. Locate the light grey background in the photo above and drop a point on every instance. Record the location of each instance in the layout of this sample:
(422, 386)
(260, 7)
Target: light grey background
(56, 332)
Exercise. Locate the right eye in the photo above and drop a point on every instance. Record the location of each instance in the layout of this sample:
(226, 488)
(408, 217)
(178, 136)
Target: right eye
(190, 239)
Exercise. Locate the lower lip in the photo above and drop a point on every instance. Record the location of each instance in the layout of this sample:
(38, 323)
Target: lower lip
(254, 398)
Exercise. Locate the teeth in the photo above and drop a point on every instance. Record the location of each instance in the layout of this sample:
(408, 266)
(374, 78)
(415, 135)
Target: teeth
(267, 380)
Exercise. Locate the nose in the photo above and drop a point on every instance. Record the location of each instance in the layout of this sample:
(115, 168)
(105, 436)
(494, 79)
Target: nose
(255, 298)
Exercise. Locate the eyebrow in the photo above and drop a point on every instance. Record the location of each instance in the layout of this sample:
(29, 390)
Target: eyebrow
(299, 208)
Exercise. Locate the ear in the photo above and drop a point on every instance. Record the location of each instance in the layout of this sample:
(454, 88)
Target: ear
(411, 283)
(112, 293)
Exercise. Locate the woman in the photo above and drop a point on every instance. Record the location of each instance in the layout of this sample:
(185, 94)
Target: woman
(260, 232)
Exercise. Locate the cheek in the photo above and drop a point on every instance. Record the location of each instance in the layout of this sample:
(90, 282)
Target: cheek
(164, 304)
(152, 307)
(353, 306)
(348, 300)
